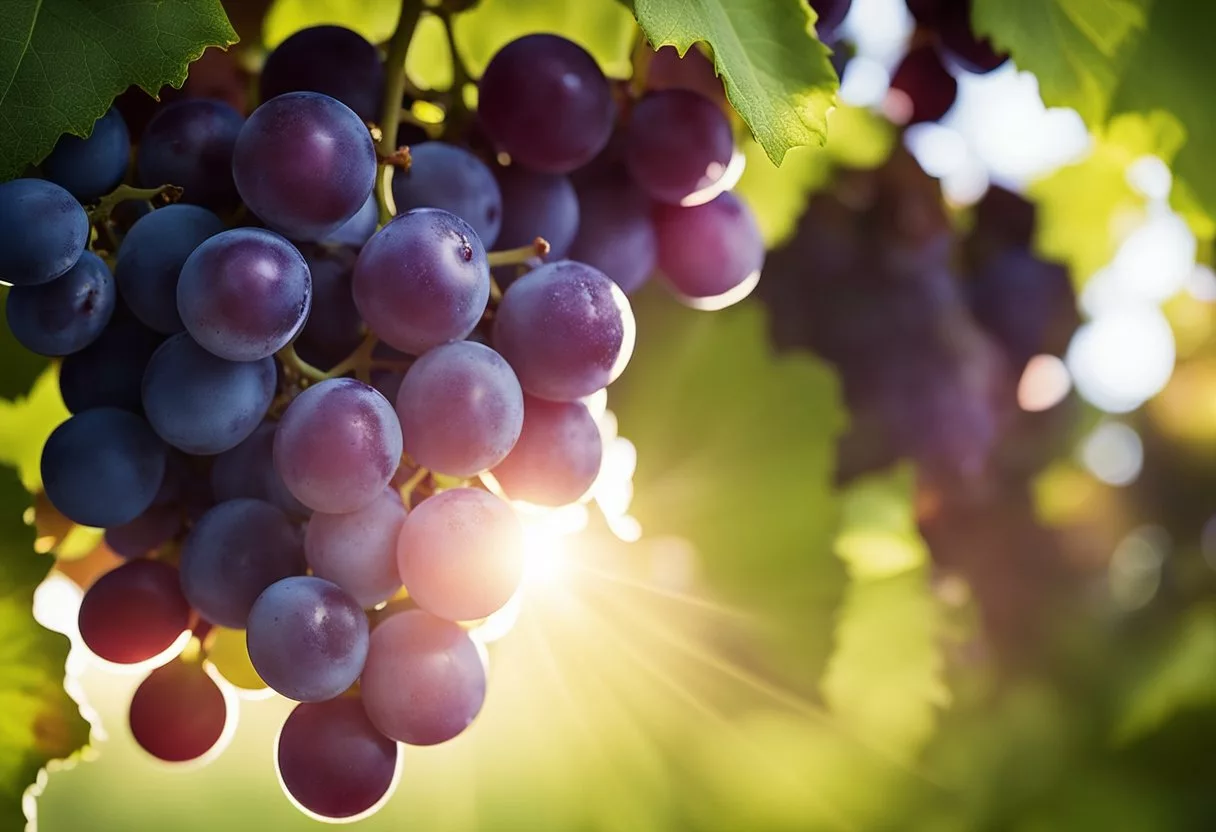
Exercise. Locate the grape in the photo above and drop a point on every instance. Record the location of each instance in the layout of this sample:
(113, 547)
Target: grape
(88, 168)
(43, 231)
(616, 234)
(709, 250)
(461, 554)
(481, 404)
(1026, 303)
(693, 72)
(201, 403)
(1002, 218)
(678, 145)
(110, 371)
(424, 682)
(327, 59)
(248, 471)
(134, 612)
(959, 41)
(444, 176)
(67, 314)
(544, 101)
(929, 13)
(305, 164)
(146, 533)
(151, 257)
(831, 14)
(922, 89)
(358, 229)
(387, 379)
(243, 294)
(177, 713)
(566, 329)
(358, 551)
(307, 638)
(557, 457)
(102, 467)
(332, 760)
(338, 445)
(333, 329)
(190, 144)
(422, 280)
(537, 205)
(233, 553)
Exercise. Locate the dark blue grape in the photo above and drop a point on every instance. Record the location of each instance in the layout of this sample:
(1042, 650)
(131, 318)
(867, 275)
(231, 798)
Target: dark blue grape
(67, 314)
(537, 205)
(616, 233)
(43, 231)
(359, 228)
(110, 371)
(146, 533)
(134, 612)
(830, 13)
(103, 467)
(444, 176)
(190, 144)
(330, 60)
(89, 168)
(557, 457)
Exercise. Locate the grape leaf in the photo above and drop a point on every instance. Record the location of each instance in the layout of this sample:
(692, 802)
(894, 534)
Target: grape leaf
(777, 73)
(18, 366)
(1076, 48)
(25, 424)
(39, 721)
(63, 61)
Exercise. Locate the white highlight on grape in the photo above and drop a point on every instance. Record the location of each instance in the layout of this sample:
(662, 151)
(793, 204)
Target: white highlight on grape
(724, 179)
(1122, 358)
(727, 298)
(1044, 384)
(1113, 453)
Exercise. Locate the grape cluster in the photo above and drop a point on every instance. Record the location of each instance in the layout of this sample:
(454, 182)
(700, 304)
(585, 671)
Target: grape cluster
(294, 420)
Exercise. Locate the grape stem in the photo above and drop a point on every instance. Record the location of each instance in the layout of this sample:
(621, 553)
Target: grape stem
(519, 256)
(407, 488)
(390, 110)
(297, 366)
(123, 193)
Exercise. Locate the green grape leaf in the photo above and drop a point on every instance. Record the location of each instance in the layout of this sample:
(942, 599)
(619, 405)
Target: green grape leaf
(39, 722)
(25, 425)
(18, 366)
(736, 452)
(1076, 48)
(885, 676)
(63, 61)
(777, 73)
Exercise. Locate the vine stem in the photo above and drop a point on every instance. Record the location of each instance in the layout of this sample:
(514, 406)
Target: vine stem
(291, 360)
(123, 193)
(390, 110)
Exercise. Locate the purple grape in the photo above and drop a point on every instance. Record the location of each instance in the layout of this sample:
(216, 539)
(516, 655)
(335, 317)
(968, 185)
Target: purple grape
(134, 612)
(358, 229)
(481, 402)
(537, 205)
(616, 233)
(959, 40)
(146, 533)
(332, 760)
(451, 178)
(190, 144)
(338, 445)
(830, 13)
(327, 59)
(43, 231)
(248, 471)
(201, 403)
(460, 554)
(1026, 303)
(233, 553)
(922, 89)
(177, 713)
(557, 457)
(307, 638)
(151, 257)
(67, 314)
(243, 294)
(424, 682)
(358, 550)
(422, 280)
(544, 101)
(334, 328)
(110, 371)
(103, 467)
(678, 145)
(566, 329)
(693, 72)
(305, 164)
(90, 167)
(709, 250)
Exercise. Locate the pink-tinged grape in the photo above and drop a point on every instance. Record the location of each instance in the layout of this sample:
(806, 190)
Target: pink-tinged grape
(177, 713)
(337, 445)
(709, 252)
(358, 550)
(67, 314)
(332, 760)
(424, 682)
(616, 234)
(693, 72)
(481, 404)
(327, 59)
(544, 101)
(134, 612)
(566, 329)
(233, 553)
(307, 638)
(448, 177)
(43, 231)
(190, 144)
(557, 457)
(537, 205)
(243, 294)
(248, 471)
(678, 145)
(422, 280)
(304, 163)
(461, 554)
